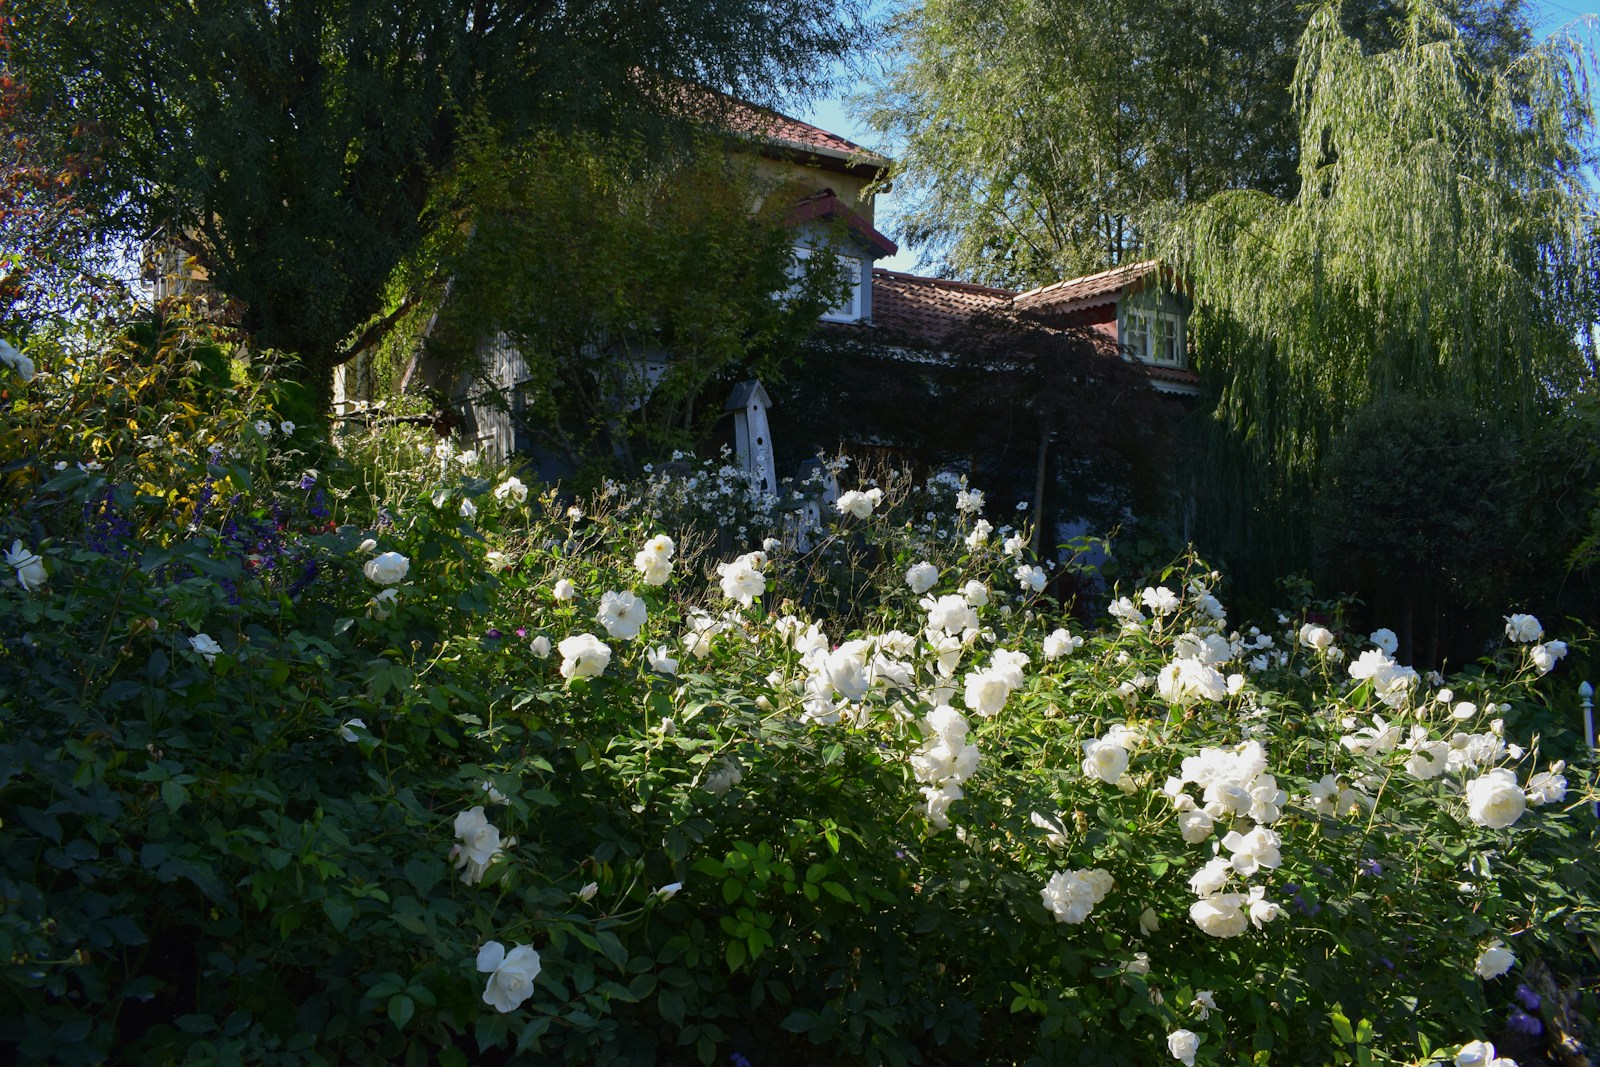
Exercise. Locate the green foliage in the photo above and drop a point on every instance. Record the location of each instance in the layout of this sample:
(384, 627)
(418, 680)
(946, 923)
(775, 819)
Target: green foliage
(265, 850)
(1110, 113)
(626, 284)
(292, 148)
(1441, 243)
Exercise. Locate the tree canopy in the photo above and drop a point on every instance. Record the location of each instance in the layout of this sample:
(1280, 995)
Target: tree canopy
(1441, 243)
(292, 146)
(1034, 138)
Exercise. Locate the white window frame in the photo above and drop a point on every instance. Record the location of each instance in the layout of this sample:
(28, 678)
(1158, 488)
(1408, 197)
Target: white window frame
(850, 309)
(1144, 330)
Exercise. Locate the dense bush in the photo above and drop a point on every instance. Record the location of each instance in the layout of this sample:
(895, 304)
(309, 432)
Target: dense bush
(397, 759)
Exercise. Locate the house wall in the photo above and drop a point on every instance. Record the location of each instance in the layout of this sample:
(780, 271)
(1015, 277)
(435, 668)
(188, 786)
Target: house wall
(846, 187)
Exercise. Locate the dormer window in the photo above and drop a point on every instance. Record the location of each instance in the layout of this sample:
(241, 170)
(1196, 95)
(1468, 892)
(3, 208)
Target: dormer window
(1154, 337)
(850, 308)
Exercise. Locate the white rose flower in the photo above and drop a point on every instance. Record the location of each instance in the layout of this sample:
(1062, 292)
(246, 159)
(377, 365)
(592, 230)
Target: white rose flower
(347, 729)
(1481, 1054)
(540, 646)
(206, 645)
(1385, 639)
(986, 692)
(976, 593)
(1196, 825)
(1254, 850)
(29, 567)
(1220, 916)
(497, 561)
(1031, 578)
(856, 503)
(741, 580)
(670, 890)
(661, 660)
(1140, 964)
(1060, 643)
(1160, 600)
(1495, 800)
(564, 590)
(588, 891)
(10, 357)
(467, 510)
(1428, 759)
(478, 844)
(369, 545)
(1014, 545)
(1548, 787)
(1072, 895)
(922, 577)
(1523, 629)
(969, 501)
(511, 975)
(1494, 960)
(979, 535)
(654, 560)
(1149, 923)
(1262, 910)
(511, 489)
(387, 569)
(622, 614)
(583, 656)
(1316, 637)
(1105, 762)
(1183, 1044)
(383, 603)
(1544, 656)
(1205, 1002)
(1209, 880)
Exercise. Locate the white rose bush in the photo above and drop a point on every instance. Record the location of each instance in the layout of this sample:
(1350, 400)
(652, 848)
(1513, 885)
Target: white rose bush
(315, 770)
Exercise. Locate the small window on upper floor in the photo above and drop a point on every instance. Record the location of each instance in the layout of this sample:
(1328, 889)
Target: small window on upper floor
(1154, 337)
(849, 309)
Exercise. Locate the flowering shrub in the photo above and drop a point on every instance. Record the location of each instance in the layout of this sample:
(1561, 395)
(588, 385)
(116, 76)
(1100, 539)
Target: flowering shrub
(433, 764)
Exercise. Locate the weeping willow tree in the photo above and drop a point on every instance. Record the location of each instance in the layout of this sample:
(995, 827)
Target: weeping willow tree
(1441, 243)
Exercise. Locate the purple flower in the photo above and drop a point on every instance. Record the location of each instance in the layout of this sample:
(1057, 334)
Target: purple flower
(1370, 867)
(1527, 997)
(1519, 1022)
(493, 634)
(522, 631)
(738, 1059)
(307, 480)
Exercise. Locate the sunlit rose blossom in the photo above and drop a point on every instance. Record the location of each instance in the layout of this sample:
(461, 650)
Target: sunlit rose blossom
(1072, 895)
(1252, 851)
(976, 593)
(949, 614)
(1185, 681)
(979, 535)
(511, 489)
(969, 501)
(1316, 637)
(661, 660)
(1107, 762)
(1390, 681)
(1160, 600)
(1205, 1002)
(1523, 629)
(922, 577)
(1495, 800)
(21, 364)
(1385, 639)
(1183, 1044)
(564, 590)
(622, 614)
(1548, 787)
(1060, 643)
(1428, 759)
(1262, 910)
(1209, 879)
(1481, 1054)
(511, 975)
(1544, 656)
(858, 504)
(1126, 612)
(654, 560)
(741, 580)
(1014, 546)
(583, 656)
(1030, 578)
(1222, 915)
(1494, 960)
(388, 569)
(540, 646)
(497, 561)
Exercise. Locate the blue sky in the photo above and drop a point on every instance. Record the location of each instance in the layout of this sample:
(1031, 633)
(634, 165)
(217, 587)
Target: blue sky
(829, 113)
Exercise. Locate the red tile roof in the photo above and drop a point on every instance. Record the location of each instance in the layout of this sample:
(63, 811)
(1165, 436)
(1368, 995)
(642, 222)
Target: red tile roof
(827, 205)
(784, 132)
(1093, 289)
(928, 309)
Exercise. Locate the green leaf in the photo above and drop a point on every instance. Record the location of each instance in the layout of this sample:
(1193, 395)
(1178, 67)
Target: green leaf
(799, 1021)
(173, 795)
(1341, 1028)
(340, 910)
(401, 1009)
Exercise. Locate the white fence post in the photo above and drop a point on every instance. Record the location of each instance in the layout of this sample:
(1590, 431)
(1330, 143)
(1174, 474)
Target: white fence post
(1586, 702)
